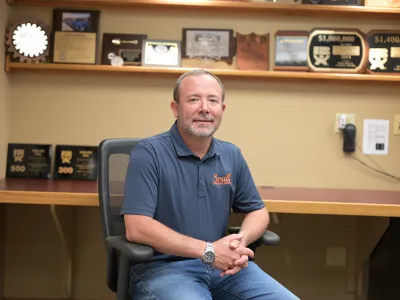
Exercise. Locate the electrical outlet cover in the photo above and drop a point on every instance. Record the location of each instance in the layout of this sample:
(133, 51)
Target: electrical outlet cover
(350, 119)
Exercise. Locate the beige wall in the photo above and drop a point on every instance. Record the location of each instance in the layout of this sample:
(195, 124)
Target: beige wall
(284, 129)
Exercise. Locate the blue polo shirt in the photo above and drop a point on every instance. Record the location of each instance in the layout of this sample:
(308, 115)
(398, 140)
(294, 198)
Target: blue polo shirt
(192, 196)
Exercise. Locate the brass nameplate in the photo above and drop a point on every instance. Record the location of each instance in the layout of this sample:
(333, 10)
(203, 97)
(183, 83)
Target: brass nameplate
(337, 51)
(384, 51)
(75, 162)
(28, 160)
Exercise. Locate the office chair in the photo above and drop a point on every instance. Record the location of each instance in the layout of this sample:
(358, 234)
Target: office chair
(113, 159)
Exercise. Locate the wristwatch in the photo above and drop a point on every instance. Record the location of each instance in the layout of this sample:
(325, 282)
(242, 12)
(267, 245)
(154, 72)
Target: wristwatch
(208, 256)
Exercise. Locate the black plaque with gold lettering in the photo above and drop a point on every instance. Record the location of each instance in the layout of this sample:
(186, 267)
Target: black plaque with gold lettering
(28, 160)
(75, 162)
(337, 50)
(384, 51)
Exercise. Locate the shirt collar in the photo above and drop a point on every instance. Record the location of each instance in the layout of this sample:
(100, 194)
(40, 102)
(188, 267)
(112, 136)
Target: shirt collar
(182, 149)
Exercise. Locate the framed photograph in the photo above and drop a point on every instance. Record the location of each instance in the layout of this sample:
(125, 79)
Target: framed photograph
(72, 20)
(75, 36)
(207, 43)
(161, 53)
(291, 50)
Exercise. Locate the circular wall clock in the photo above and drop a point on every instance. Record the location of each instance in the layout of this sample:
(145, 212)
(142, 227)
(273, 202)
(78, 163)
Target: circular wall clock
(28, 41)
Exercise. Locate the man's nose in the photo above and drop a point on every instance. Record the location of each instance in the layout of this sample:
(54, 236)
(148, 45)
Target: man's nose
(204, 106)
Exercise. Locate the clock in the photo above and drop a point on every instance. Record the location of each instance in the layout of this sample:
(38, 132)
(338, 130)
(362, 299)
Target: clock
(28, 41)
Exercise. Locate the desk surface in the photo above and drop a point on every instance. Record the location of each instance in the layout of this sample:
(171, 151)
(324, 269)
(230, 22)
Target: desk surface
(278, 199)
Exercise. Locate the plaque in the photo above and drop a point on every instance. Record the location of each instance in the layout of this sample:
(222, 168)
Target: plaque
(125, 46)
(334, 2)
(339, 50)
(252, 52)
(75, 162)
(28, 41)
(28, 160)
(206, 43)
(382, 3)
(161, 53)
(75, 36)
(291, 50)
(384, 51)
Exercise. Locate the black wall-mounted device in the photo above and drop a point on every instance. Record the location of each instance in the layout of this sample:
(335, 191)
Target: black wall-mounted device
(349, 138)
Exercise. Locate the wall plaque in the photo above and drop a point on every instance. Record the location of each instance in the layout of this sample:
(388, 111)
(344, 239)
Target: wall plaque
(337, 50)
(384, 51)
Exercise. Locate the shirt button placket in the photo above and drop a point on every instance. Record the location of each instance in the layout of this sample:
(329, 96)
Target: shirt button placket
(202, 185)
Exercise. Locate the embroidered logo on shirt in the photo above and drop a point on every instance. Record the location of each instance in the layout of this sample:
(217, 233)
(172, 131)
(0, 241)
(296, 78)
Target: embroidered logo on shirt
(219, 180)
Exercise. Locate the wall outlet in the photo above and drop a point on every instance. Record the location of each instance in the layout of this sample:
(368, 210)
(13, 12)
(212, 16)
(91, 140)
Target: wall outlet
(350, 119)
(396, 125)
(336, 256)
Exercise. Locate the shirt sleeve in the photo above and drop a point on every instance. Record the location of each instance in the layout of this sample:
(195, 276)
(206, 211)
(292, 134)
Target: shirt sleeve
(141, 183)
(247, 197)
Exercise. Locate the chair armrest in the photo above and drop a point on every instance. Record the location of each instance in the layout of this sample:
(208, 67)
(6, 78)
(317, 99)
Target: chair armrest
(137, 253)
(268, 238)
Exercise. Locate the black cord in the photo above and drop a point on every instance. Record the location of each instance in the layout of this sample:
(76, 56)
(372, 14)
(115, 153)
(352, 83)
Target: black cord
(381, 171)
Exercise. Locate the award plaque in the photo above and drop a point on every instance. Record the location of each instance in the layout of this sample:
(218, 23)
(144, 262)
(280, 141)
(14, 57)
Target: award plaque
(252, 52)
(28, 160)
(161, 53)
(28, 41)
(209, 44)
(384, 51)
(75, 162)
(337, 50)
(126, 46)
(291, 50)
(75, 36)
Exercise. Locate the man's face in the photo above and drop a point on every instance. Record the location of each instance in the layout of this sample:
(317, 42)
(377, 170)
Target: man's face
(200, 106)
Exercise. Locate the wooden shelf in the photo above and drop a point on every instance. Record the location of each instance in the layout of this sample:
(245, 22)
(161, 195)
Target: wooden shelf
(223, 6)
(238, 74)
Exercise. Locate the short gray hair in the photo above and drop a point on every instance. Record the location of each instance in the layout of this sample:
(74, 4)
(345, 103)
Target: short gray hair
(195, 72)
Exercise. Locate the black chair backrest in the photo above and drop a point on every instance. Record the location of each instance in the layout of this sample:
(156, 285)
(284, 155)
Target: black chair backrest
(113, 158)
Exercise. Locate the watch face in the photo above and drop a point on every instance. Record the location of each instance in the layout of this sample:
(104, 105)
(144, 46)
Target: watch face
(209, 257)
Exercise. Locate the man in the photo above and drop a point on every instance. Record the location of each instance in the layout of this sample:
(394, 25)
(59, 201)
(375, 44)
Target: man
(180, 188)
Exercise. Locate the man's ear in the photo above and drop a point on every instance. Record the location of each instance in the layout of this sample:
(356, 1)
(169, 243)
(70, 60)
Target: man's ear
(174, 108)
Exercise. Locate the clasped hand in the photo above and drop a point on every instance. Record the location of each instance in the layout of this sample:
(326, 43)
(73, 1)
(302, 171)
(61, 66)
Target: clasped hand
(231, 254)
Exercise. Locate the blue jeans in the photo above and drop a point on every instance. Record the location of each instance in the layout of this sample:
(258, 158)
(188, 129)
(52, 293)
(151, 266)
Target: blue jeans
(191, 280)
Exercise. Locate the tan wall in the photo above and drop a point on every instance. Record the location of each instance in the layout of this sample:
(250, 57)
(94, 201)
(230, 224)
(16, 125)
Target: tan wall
(284, 129)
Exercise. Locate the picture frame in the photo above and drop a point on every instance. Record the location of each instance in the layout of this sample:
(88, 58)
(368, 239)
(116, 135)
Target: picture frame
(74, 20)
(209, 43)
(161, 53)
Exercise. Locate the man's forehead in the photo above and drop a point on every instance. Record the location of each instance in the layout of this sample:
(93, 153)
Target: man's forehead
(203, 81)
